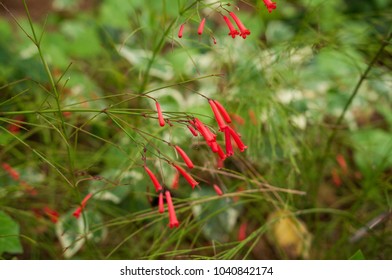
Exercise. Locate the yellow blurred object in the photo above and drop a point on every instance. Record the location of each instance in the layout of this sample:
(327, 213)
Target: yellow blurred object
(289, 234)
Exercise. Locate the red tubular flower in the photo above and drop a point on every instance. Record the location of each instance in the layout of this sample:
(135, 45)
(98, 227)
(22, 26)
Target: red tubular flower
(186, 176)
(242, 231)
(221, 154)
(237, 139)
(11, 172)
(241, 27)
(218, 116)
(270, 5)
(173, 222)
(218, 190)
(154, 179)
(233, 32)
(160, 116)
(175, 181)
(229, 147)
(201, 26)
(185, 157)
(223, 111)
(79, 210)
(161, 207)
(52, 214)
(192, 130)
(181, 30)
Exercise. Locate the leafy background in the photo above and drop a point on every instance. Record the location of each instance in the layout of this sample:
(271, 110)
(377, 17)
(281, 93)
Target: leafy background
(288, 196)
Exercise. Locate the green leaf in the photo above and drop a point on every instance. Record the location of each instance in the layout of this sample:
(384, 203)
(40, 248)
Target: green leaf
(9, 235)
(73, 232)
(358, 255)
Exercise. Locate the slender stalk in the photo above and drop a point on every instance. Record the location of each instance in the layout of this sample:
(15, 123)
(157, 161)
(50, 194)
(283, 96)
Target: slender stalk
(62, 127)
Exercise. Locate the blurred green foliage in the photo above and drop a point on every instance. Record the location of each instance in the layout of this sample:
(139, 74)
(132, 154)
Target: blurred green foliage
(285, 85)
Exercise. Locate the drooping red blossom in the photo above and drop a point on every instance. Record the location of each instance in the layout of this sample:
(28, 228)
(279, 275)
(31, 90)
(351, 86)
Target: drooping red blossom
(161, 207)
(233, 32)
(201, 26)
(237, 139)
(342, 163)
(206, 133)
(52, 214)
(221, 154)
(176, 178)
(154, 179)
(218, 116)
(211, 134)
(270, 5)
(244, 31)
(186, 176)
(242, 231)
(11, 172)
(173, 222)
(79, 210)
(229, 146)
(192, 130)
(185, 157)
(223, 111)
(217, 190)
(181, 30)
(160, 115)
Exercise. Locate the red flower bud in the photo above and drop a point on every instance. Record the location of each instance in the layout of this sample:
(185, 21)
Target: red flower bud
(160, 115)
(229, 147)
(161, 207)
(173, 222)
(181, 30)
(218, 190)
(186, 176)
(185, 157)
(201, 26)
(154, 179)
(237, 139)
(218, 117)
(223, 111)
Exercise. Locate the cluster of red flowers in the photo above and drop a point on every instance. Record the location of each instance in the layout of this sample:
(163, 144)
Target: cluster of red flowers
(197, 128)
(233, 32)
